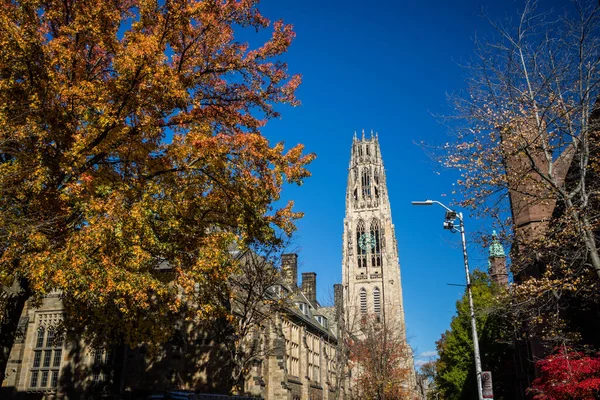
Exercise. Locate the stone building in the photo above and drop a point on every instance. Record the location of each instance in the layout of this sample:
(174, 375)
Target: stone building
(370, 266)
(300, 362)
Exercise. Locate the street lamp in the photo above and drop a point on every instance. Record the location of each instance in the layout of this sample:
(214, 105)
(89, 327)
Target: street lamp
(449, 224)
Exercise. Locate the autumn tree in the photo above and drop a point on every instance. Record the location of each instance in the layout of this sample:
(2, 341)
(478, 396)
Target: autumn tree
(380, 358)
(528, 119)
(255, 296)
(567, 375)
(527, 146)
(426, 380)
(130, 140)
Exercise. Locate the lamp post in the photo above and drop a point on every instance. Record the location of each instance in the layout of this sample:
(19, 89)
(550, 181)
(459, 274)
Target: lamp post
(451, 215)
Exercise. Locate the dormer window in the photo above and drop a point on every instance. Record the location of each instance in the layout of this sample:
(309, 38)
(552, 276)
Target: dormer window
(303, 307)
(277, 291)
(322, 320)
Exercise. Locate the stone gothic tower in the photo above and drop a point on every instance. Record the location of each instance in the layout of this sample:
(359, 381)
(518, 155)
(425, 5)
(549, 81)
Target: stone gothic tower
(370, 266)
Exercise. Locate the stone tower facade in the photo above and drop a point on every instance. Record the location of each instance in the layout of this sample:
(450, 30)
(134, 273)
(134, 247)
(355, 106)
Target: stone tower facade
(370, 267)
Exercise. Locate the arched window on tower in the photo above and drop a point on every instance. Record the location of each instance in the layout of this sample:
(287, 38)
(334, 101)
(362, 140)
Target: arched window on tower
(361, 253)
(377, 301)
(363, 301)
(376, 249)
(365, 180)
(376, 185)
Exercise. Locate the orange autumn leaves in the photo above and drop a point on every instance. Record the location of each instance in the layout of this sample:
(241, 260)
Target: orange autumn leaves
(130, 142)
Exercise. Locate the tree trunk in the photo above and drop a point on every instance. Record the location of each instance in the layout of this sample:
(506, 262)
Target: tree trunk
(590, 242)
(587, 231)
(15, 298)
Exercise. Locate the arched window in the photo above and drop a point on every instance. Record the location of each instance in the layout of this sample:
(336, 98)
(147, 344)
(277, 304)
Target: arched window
(376, 252)
(365, 180)
(40, 338)
(361, 253)
(376, 186)
(50, 338)
(363, 301)
(377, 301)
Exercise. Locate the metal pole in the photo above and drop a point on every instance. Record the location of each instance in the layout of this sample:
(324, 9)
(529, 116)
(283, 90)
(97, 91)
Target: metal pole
(469, 292)
(471, 309)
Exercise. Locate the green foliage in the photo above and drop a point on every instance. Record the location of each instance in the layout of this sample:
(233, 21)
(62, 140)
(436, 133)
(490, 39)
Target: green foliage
(455, 368)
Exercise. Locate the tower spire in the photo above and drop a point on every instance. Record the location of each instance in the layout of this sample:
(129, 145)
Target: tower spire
(370, 267)
(497, 262)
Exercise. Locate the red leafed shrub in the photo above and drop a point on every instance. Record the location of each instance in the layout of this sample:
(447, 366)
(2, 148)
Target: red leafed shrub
(567, 375)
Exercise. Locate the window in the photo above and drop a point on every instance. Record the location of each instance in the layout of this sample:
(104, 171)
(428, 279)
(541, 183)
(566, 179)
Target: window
(102, 357)
(363, 300)
(361, 253)
(314, 358)
(305, 308)
(54, 381)
(277, 291)
(47, 357)
(50, 338)
(98, 357)
(37, 359)
(44, 381)
(322, 320)
(34, 379)
(40, 338)
(292, 341)
(365, 180)
(376, 250)
(102, 367)
(376, 301)
(57, 357)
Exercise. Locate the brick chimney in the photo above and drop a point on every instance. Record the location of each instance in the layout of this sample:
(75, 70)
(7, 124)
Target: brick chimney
(338, 298)
(289, 269)
(309, 286)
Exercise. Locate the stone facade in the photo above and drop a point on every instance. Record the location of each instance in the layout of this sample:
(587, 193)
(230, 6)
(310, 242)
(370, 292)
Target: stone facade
(299, 363)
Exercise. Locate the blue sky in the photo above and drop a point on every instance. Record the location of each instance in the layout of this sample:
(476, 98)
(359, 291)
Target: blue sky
(386, 66)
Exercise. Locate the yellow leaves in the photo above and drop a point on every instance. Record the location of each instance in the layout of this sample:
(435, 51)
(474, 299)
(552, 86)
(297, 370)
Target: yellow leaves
(93, 201)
